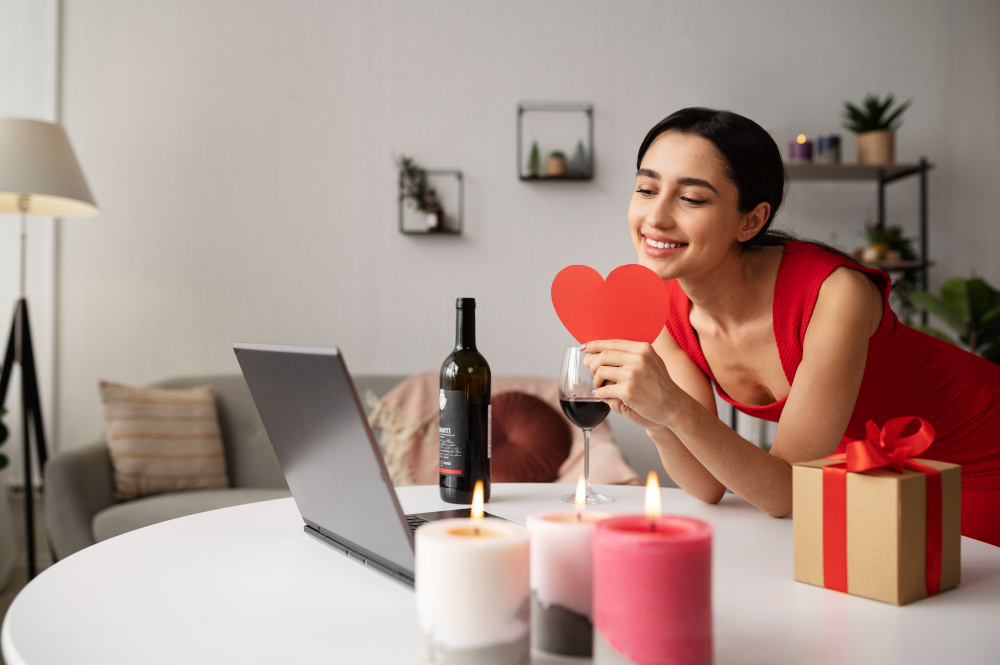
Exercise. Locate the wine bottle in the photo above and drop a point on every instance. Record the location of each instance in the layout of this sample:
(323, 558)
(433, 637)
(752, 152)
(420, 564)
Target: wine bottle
(464, 429)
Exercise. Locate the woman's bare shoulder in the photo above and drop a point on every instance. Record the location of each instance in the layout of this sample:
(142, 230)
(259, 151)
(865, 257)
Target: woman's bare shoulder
(849, 296)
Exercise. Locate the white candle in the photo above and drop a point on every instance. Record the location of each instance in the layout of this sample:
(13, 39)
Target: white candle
(472, 592)
(561, 580)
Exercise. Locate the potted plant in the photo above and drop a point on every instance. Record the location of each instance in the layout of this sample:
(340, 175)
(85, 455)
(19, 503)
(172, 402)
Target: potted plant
(875, 124)
(556, 164)
(8, 550)
(417, 194)
(971, 308)
(534, 160)
(887, 246)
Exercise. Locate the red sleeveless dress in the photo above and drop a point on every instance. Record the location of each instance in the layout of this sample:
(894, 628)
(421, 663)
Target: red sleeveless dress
(907, 373)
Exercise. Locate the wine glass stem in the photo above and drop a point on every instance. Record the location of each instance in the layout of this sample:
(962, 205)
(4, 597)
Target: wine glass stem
(586, 457)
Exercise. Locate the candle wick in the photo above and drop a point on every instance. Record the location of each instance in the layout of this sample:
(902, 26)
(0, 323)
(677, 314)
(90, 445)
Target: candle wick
(578, 516)
(477, 530)
(652, 525)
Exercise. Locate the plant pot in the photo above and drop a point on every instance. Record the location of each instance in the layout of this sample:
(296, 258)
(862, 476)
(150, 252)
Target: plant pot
(435, 218)
(555, 166)
(877, 147)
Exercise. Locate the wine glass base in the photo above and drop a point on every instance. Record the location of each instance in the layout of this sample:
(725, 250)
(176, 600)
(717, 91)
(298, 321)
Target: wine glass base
(593, 498)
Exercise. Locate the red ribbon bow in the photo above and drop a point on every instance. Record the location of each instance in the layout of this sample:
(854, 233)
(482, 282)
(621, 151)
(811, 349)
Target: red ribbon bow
(884, 448)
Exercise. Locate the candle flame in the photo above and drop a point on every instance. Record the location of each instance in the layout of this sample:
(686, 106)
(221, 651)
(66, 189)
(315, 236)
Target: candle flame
(580, 500)
(801, 138)
(477, 501)
(652, 497)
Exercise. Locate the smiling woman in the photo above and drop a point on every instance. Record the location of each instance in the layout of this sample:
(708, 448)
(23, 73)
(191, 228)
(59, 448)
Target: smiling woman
(788, 331)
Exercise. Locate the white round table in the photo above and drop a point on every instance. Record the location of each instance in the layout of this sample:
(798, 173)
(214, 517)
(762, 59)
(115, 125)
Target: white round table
(246, 585)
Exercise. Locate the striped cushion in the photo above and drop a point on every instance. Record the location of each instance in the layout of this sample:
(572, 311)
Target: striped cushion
(162, 440)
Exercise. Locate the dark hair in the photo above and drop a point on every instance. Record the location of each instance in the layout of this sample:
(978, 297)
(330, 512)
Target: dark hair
(753, 163)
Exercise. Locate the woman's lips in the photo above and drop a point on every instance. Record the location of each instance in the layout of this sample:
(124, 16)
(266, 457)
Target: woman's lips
(660, 252)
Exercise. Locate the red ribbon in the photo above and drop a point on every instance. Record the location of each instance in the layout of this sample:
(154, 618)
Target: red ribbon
(883, 449)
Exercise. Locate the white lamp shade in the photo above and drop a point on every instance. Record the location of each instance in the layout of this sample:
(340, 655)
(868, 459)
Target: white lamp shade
(37, 162)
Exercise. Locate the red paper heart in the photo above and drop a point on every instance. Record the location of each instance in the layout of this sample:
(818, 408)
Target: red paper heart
(631, 304)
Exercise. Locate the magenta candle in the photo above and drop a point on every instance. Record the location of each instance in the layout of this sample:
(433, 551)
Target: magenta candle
(800, 150)
(652, 591)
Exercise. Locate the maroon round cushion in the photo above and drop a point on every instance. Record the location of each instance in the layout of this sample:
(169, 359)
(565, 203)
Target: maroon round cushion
(531, 440)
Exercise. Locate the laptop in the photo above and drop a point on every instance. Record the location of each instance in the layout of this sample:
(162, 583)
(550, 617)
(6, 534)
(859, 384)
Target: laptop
(306, 399)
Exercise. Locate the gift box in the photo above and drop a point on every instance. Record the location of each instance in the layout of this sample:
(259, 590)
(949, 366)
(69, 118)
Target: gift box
(878, 522)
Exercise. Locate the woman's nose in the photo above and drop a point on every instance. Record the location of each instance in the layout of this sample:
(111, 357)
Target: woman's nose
(660, 215)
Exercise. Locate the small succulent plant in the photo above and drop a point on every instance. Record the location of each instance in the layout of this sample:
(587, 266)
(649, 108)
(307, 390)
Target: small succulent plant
(874, 114)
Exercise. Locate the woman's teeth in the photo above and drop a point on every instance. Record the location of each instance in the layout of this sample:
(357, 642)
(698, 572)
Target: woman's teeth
(661, 245)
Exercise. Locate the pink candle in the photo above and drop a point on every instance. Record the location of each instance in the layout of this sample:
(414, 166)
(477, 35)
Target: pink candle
(652, 591)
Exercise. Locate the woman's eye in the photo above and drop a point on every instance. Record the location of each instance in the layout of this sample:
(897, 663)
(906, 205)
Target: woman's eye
(645, 192)
(694, 201)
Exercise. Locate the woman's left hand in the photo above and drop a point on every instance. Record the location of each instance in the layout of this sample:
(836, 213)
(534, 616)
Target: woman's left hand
(632, 378)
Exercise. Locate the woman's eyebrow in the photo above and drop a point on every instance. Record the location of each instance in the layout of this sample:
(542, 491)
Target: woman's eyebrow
(697, 182)
(649, 173)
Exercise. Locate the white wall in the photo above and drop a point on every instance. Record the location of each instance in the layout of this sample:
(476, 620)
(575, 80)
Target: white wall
(241, 153)
(28, 35)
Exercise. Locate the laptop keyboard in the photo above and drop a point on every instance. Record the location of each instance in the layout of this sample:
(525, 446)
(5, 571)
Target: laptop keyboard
(415, 521)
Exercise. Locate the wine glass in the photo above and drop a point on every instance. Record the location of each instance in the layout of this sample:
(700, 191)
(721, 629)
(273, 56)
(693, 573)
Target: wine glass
(576, 397)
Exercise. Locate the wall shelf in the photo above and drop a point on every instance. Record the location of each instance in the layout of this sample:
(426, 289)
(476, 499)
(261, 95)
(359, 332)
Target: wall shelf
(527, 108)
(453, 229)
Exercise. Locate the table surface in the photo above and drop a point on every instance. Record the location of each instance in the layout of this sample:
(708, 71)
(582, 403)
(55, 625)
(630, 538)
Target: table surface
(246, 585)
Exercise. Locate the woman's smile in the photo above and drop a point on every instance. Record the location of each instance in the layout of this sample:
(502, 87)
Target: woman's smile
(661, 246)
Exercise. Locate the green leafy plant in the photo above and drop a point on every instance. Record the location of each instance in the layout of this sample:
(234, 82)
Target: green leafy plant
(556, 154)
(415, 185)
(3, 437)
(874, 114)
(534, 159)
(971, 308)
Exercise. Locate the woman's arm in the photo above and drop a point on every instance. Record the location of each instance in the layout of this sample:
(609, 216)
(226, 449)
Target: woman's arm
(683, 467)
(819, 406)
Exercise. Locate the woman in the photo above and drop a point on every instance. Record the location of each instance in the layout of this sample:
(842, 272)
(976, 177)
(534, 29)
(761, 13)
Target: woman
(788, 331)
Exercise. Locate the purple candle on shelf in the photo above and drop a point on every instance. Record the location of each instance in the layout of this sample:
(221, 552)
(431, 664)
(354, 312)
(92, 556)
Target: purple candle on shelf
(800, 150)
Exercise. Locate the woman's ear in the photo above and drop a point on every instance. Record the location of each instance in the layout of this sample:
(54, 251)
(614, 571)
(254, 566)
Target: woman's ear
(754, 222)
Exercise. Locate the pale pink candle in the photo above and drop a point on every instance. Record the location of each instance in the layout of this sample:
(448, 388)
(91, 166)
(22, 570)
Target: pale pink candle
(652, 591)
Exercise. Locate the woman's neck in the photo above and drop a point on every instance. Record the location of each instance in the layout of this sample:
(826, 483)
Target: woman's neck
(735, 291)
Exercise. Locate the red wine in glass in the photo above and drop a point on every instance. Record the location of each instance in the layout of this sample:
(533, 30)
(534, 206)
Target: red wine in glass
(576, 397)
(585, 413)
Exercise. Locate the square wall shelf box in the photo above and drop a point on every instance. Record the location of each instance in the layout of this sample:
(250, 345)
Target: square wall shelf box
(450, 186)
(546, 130)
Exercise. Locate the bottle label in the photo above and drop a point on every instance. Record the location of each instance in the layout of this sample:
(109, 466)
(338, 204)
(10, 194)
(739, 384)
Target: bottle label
(453, 429)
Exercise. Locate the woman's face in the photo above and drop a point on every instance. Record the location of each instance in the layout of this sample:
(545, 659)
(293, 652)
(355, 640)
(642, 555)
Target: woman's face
(683, 216)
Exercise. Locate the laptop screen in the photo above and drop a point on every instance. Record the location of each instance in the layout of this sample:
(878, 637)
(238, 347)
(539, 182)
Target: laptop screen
(317, 427)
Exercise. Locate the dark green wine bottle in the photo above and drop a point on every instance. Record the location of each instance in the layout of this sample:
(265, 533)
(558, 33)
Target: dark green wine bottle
(464, 429)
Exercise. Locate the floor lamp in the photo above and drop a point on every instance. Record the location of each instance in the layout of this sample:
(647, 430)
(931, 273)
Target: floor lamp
(39, 175)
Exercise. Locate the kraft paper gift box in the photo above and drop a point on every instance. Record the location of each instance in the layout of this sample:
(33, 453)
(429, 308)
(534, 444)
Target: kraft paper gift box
(887, 534)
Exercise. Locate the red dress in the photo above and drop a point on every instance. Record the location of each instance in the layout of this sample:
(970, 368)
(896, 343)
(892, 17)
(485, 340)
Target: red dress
(907, 373)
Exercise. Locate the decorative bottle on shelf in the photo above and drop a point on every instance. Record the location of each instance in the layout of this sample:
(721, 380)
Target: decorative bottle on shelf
(464, 432)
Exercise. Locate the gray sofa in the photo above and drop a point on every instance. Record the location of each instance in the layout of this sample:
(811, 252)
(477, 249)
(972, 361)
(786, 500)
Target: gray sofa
(80, 508)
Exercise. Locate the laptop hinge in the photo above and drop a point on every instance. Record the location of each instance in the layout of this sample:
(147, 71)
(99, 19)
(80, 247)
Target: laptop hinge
(362, 557)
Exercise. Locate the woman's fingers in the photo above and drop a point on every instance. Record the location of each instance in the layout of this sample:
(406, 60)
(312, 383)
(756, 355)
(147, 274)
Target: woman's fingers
(615, 345)
(610, 391)
(608, 374)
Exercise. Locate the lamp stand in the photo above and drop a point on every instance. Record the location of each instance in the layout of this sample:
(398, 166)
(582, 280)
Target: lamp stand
(19, 350)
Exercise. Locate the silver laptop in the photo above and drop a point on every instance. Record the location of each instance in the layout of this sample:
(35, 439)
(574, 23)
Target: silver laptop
(331, 460)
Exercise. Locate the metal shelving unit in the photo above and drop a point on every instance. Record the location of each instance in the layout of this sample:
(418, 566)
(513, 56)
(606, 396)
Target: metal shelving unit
(883, 175)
